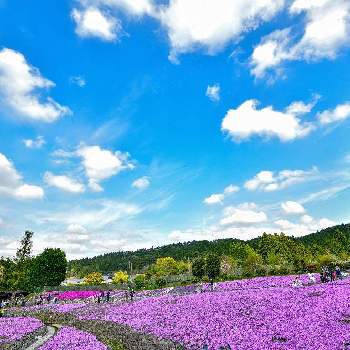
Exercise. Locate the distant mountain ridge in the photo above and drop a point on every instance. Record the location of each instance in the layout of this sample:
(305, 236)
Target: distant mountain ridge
(142, 258)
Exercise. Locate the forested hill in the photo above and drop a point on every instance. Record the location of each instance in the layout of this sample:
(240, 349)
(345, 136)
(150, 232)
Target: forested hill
(188, 251)
(144, 257)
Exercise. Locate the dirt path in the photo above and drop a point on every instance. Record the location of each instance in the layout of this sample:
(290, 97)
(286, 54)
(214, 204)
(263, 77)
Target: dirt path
(41, 340)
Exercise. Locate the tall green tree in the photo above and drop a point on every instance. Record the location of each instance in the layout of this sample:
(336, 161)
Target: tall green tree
(199, 267)
(49, 268)
(23, 261)
(212, 266)
(25, 249)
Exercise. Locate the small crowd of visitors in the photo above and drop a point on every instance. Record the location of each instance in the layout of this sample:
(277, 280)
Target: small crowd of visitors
(103, 297)
(327, 274)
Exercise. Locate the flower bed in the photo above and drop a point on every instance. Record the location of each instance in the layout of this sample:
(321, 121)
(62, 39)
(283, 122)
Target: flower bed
(72, 338)
(15, 328)
(81, 294)
(272, 318)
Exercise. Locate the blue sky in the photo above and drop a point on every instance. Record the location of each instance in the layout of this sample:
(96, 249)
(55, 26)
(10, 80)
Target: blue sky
(128, 124)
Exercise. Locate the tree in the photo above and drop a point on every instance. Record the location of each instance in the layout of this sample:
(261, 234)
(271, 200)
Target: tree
(93, 279)
(120, 277)
(166, 266)
(24, 251)
(212, 266)
(139, 281)
(49, 268)
(198, 268)
(23, 261)
(253, 260)
(2, 273)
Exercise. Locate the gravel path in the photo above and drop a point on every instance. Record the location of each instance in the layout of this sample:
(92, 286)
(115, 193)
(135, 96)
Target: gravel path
(41, 340)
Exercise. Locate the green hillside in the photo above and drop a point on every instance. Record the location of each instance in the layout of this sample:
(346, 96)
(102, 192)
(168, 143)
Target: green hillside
(334, 240)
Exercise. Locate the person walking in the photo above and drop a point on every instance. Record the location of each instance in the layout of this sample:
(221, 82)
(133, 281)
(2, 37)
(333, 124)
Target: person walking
(338, 272)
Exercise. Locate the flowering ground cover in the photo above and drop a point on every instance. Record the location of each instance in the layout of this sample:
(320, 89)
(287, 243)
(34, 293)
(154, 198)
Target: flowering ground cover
(72, 338)
(15, 328)
(254, 314)
(283, 318)
(81, 294)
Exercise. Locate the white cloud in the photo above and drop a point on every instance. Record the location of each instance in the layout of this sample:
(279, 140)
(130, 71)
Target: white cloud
(11, 182)
(284, 224)
(190, 24)
(214, 199)
(101, 164)
(304, 227)
(36, 143)
(213, 92)
(78, 80)
(269, 181)
(94, 216)
(291, 207)
(217, 198)
(21, 89)
(76, 233)
(242, 215)
(94, 22)
(301, 108)
(142, 183)
(327, 30)
(307, 219)
(28, 192)
(64, 183)
(131, 7)
(209, 24)
(338, 114)
(270, 53)
(247, 121)
(231, 189)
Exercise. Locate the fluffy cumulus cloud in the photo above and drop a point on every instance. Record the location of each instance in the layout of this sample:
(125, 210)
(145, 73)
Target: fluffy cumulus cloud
(245, 214)
(34, 143)
(63, 183)
(269, 181)
(101, 164)
(247, 120)
(94, 22)
(303, 227)
(213, 92)
(11, 182)
(190, 24)
(338, 114)
(291, 207)
(326, 31)
(217, 198)
(211, 24)
(22, 89)
(142, 183)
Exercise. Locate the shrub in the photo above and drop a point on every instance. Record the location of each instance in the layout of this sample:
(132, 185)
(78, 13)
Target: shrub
(139, 281)
(120, 277)
(93, 279)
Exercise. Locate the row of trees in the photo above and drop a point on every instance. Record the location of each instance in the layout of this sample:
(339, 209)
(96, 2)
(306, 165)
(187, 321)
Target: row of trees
(155, 276)
(270, 254)
(333, 241)
(29, 273)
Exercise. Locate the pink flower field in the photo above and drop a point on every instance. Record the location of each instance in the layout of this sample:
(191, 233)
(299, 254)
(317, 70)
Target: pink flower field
(254, 314)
